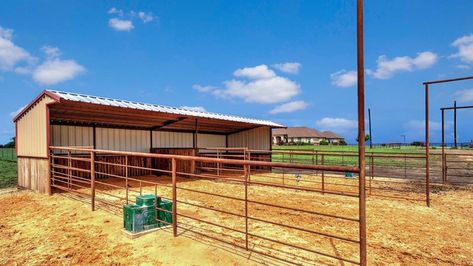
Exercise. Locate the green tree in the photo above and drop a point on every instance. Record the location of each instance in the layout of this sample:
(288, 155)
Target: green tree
(10, 144)
(367, 137)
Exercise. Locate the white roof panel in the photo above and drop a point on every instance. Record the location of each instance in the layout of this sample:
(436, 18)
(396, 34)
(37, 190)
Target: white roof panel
(158, 108)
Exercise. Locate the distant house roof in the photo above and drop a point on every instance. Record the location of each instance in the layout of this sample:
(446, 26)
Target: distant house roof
(297, 132)
(331, 135)
(304, 132)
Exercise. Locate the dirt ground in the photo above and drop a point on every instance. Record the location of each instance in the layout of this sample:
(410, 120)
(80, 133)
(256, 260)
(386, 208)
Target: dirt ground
(37, 229)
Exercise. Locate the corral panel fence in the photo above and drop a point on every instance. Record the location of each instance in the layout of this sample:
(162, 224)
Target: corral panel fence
(284, 223)
(397, 175)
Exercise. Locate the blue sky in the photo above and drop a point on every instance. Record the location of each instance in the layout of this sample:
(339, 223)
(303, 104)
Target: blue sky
(288, 61)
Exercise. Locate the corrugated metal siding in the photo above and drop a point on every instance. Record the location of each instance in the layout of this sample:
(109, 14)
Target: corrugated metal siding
(211, 141)
(32, 130)
(71, 136)
(256, 138)
(122, 139)
(168, 139)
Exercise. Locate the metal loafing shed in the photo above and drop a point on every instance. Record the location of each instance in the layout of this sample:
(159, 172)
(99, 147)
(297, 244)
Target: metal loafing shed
(71, 119)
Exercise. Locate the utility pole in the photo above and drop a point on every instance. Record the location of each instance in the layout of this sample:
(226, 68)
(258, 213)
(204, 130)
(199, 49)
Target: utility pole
(404, 138)
(369, 121)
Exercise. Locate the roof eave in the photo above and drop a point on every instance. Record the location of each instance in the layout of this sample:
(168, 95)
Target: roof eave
(52, 95)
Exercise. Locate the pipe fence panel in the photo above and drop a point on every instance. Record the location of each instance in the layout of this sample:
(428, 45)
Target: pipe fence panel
(229, 199)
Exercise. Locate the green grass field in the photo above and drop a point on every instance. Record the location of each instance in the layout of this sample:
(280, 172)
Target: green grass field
(8, 174)
(404, 149)
(8, 169)
(347, 159)
(8, 154)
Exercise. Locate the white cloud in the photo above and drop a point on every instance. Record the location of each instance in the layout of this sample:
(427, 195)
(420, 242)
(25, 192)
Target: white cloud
(194, 108)
(338, 125)
(289, 107)
(465, 95)
(15, 113)
(344, 78)
(262, 85)
(6, 33)
(291, 68)
(114, 10)
(12, 55)
(201, 88)
(462, 66)
(386, 68)
(257, 72)
(121, 24)
(51, 52)
(425, 60)
(464, 45)
(51, 71)
(146, 17)
(56, 71)
(126, 19)
(269, 90)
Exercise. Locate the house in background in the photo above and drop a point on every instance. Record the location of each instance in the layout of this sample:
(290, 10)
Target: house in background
(304, 135)
(332, 137)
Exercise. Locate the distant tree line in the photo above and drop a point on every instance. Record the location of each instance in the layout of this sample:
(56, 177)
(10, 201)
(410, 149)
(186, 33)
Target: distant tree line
(10, 144)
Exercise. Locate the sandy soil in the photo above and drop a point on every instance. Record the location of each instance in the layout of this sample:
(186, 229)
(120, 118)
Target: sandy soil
(37, 229)
(57, 230)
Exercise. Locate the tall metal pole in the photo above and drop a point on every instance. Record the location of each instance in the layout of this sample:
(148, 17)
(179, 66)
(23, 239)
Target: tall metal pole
(443, 146)
(427, 154)
(369, 121)
(361, 131)
(174, 196)
(92, 179)
(455, 123)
